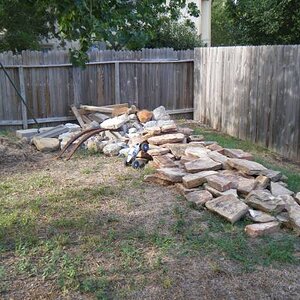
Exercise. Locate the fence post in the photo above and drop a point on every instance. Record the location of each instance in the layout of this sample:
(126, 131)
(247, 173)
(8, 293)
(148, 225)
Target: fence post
(117, 83)
(22, 92)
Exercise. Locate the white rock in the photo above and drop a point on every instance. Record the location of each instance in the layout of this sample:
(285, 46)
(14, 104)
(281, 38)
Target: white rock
(46, 144)
(115, 123)
(111, 149)
(160, 113)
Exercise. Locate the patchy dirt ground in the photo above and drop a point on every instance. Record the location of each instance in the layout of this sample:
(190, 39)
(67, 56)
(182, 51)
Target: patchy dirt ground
(90, 228)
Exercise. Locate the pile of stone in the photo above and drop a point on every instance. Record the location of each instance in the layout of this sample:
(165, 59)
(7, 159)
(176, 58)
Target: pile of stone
(225, 181)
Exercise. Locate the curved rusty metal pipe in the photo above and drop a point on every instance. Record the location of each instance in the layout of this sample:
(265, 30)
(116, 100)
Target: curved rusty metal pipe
(72, 140)
(86, 137)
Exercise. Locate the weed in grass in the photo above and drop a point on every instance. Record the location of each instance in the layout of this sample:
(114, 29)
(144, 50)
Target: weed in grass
(3, 285)
(131, 255)
(98, 286)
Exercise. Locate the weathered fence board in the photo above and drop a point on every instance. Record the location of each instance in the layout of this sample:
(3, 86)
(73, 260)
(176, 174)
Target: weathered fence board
(146, 78)
(252, 93)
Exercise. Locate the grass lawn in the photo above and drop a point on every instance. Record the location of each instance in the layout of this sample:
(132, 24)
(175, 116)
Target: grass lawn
(90, 228)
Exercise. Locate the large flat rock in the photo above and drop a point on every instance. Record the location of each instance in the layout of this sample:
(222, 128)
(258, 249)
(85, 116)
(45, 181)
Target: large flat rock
(218, 157)
(246, 166)
(163, 161)
(229, 207)
(265, 201)
(255, 230)
(278, 190)
(178, 149)
(46, 144)
(196, 179)
(260, 217)
(199, 151)
(172, 174)
(219, 182)
(217, 193)
(238, 153)
(202, 164)
(199, 198)
(166, 138)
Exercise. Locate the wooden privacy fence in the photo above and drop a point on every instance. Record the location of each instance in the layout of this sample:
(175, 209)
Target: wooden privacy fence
(252, 93)
(50, 84)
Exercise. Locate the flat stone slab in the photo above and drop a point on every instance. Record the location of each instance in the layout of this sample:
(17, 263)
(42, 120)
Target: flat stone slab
(265, 201)
(157, 179)
(158, 151)
(218, 157)
(115, 123)
(217, 193)
(196, 179)
(279, 190)
(216, 147)
(199, 151)
(202, 164)
(246, 166)
(229, 207)
(219, 182)
(163, 161)
(178, 149)
(273, 175)
(196, 138)
(260, 217)
(199, 198)
(255, 230)
(183, 190)
(245, 185)
(238, 153)
(166, 138)
(173, 174)
(46, 144)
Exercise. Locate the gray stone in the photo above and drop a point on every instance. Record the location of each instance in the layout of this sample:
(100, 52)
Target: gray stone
(111, 149)
(260, 217)
(297, 198)
(173, 174)
(168, 128)
(202, 164)
(53, 132)
(246, 166)
(166, 138)
(219, 182)
(199, 198)
(196, 179)
(237, 153)
(27, 133)
(46, 144)
(115, 123)
(265, 201)
(160, 113)
(279, 190)
(255, 230)
(273, 175)
(229, 207)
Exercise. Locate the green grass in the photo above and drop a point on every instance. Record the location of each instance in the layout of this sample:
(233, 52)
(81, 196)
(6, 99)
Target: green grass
(79, 238)
(261, 155)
